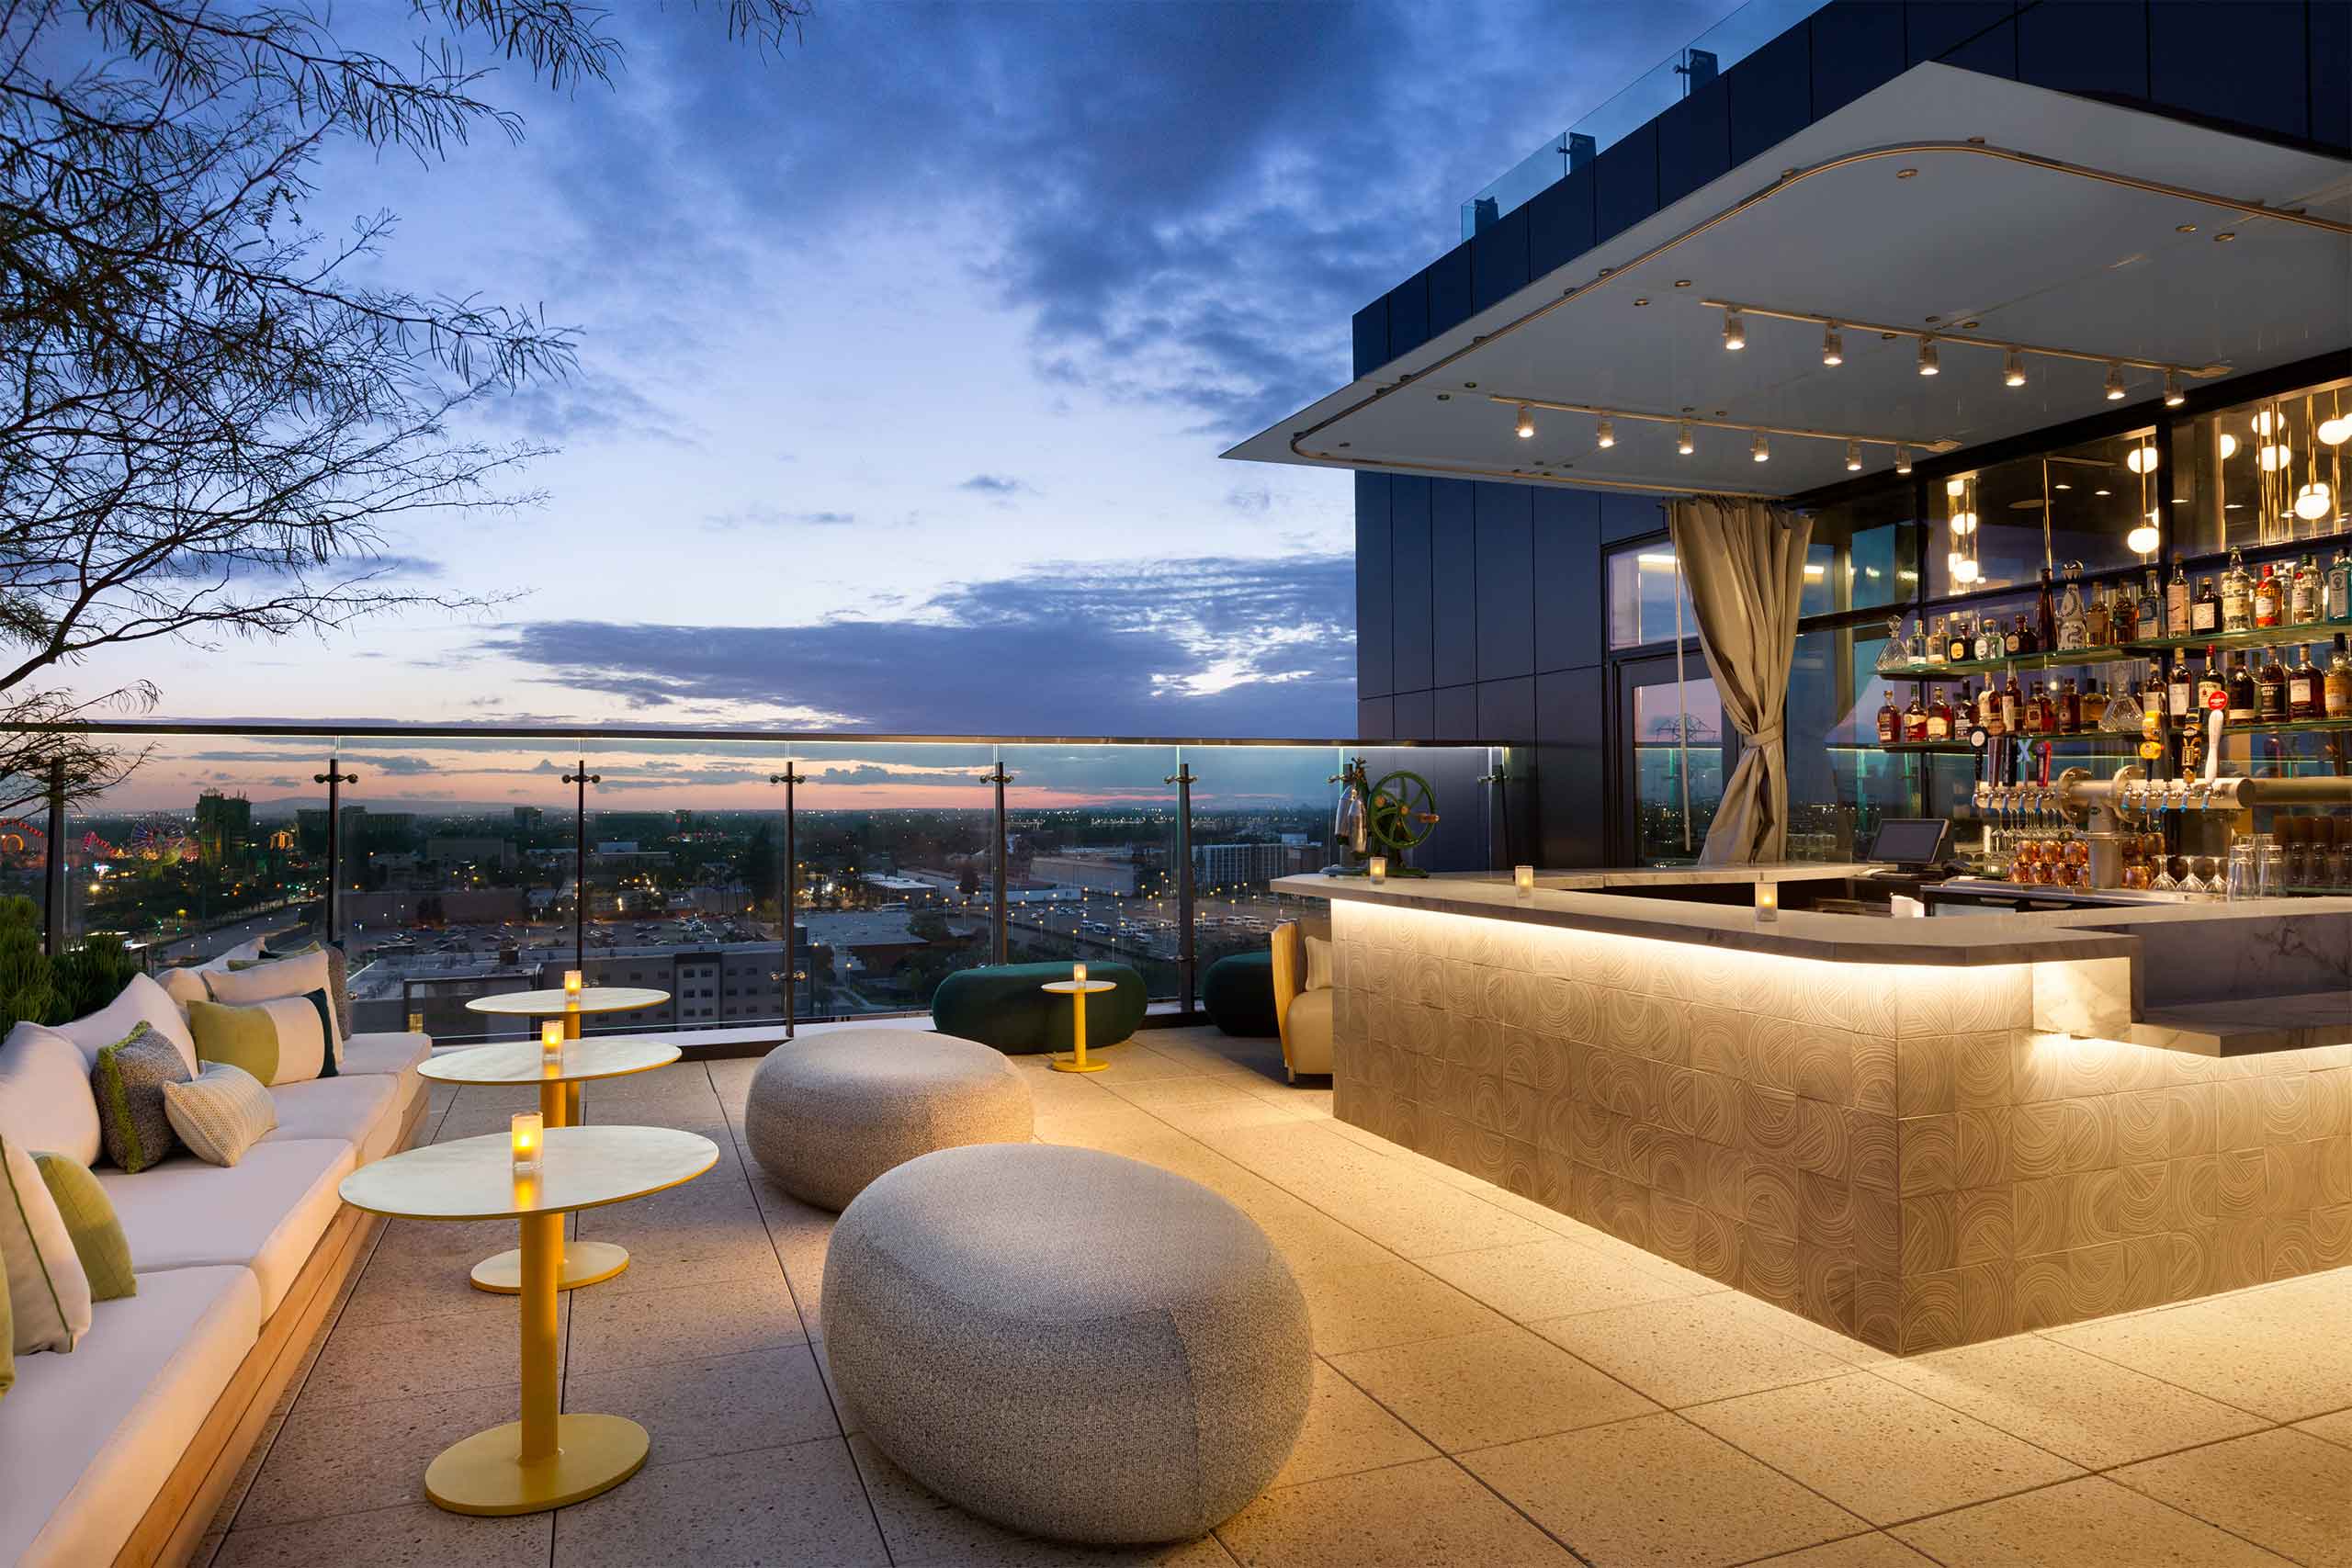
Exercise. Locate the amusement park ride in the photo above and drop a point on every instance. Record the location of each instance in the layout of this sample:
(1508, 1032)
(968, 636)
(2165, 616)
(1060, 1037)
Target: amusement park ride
(1390, 817)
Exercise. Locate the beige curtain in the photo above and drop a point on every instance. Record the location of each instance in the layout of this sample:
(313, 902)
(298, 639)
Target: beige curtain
(1745, 562)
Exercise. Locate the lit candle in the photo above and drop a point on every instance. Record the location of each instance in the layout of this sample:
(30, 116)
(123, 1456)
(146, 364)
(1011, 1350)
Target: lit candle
(571, 985)
(1768, 900)
(416, 1024)
(1377, 868)
(1524, 878)
(528, 1135)
(551, 1043)
(1077, 973)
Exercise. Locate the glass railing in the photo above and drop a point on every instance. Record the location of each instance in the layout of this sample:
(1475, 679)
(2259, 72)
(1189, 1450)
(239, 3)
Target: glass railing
(1650, 95)
(452, 864)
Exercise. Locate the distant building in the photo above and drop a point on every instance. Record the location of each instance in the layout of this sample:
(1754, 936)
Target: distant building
(1098, 871)
(224, 829)
(1229, 866)
(499, 852)
(527, 820)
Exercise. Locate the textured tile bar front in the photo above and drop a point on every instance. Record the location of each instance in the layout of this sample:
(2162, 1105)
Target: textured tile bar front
(1907, 1152)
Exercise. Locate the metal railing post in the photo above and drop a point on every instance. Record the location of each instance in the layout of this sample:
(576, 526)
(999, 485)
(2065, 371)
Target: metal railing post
(52, 924)
(1186, 958)
(789, 974)
(581, 780)
(331, 917)
(1000, 778)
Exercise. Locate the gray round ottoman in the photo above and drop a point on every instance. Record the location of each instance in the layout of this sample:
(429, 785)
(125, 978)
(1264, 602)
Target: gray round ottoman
(829, 1114)
(1066, 1342)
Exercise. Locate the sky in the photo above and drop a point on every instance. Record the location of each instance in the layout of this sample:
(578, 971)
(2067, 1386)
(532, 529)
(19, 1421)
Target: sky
(907, 352)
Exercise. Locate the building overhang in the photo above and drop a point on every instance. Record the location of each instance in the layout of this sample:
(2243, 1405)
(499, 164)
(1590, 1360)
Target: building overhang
(2104, 243)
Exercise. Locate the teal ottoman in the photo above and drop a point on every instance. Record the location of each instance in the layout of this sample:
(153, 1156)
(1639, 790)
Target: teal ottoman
(1003, 1006)
(1239, 991)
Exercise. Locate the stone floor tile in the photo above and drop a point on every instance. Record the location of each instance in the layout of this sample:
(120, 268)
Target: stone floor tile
(2337, 1427)
(241, 1486)
(1366, 1306)
(2284, 1489)
(358, 1459)
(1215, 1116)
(924, 1530)
(842, 1414)
(366, 1362)
(2090, 1523)
(1653, 1345)
(640, 1328)
(1347, 1431)
(1429, 1515)
(774, 1507)
(1657, 1491)
(427, 1284)
(1803, 1330)
(1479, 1390)
(725, 1405)
(1549, 1278)
(1879, 1449)
(2266, 1356)
(1180, 1089)
(2091, 1411)
(416, 1535)
(1876, 1550)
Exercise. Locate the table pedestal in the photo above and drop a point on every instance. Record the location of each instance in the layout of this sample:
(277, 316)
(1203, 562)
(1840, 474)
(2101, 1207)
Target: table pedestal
(1077, 1061)
(547, 1459)
(584, 1262)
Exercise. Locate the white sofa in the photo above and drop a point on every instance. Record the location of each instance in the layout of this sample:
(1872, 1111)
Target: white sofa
(121, 1450)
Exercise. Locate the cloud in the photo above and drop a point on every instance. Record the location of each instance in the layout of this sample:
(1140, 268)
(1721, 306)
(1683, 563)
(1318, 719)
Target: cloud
(1199, 646)
(994, 484)
(760, 517)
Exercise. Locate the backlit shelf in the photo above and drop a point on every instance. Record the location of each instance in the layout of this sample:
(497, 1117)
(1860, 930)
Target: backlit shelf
(2313, 632)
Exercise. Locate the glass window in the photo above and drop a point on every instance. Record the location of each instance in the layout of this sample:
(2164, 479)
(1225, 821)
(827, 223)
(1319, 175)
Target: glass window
(1642, 597)
(1678, 745)
(2263, 473)
(1840, 783)
(1998, 525)
(1864, 552)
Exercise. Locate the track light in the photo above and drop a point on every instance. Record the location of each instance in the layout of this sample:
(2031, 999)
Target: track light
(1833, 345)
(1526, 423)
(2173, 396)
(1606, 436)
(1734, 331)
(1902, 459)
(1853, 456)
(2114, 382)
(1682, 442)
(1759, 449)
(1928, 364)
(2013, 369)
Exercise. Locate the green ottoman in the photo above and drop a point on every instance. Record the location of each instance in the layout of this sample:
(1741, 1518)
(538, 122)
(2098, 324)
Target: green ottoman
(1239, 991)
(1003, 1006)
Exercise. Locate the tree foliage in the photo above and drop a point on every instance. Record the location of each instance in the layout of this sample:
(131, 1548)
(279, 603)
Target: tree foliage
(211, 407)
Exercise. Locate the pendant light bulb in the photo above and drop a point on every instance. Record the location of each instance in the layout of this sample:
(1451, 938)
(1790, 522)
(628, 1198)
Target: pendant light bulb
(2313, 501)
(1833, 346)
(1734, 331)
(1963, 524)
(2173, 396)
(1759, 449)
(2141, 459)
(2274, 457)
(1526, 426)
(1682, 442)
(1853, 456)
(1967, 571)
(2334, 432)
(1928, 364)
(2263, 422)
(2013, 369)
(1902, 457)
(1606, 435)
(2142, 540)
(2114, 382)
(2229, 446)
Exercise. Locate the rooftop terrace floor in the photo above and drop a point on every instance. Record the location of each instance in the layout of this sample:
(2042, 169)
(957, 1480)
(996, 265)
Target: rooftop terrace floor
(1497, 1384)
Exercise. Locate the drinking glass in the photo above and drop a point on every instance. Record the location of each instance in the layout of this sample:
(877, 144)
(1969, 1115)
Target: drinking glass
(2241, 874)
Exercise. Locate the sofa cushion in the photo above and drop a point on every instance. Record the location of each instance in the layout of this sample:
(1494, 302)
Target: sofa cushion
(88, 1438)
(140, 1001)
(1002, 1005)
(394, 1051)
(49, 1296)
(266, 1212)
(183, 985)
(338, 976)
(89, 1221)
(45, 1093)
(308, 977)
(128, 1085)
(222, 1113)
(362, 1109)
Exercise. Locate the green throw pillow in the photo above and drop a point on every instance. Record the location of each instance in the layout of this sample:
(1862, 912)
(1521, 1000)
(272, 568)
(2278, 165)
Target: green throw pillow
(243, 1036)
(98, 1235)
(128, 1082)
(8, 1335)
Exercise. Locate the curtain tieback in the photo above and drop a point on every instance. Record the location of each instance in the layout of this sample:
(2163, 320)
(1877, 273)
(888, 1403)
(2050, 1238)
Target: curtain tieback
(1770, 735)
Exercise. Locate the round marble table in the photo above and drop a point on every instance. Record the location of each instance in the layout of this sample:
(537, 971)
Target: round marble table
(516, 1062)
(571, 1007)
(549, 1458)
(1077, 1061)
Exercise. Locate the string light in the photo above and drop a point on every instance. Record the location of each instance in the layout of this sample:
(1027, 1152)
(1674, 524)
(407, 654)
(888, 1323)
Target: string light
(1526, 423)
(1759, 448)
(1853, 456)
(2114, 382)
(1606, 435)
(1682, 442)
(1833, 345)
(1928, 364)
(1734, 331)
(2013, 369)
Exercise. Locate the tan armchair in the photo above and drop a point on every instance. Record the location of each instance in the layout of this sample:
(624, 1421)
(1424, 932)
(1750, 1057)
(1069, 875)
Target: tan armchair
(1303, 1016)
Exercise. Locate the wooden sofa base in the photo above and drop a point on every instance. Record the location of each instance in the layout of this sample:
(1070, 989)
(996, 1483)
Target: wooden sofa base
(175, 1523)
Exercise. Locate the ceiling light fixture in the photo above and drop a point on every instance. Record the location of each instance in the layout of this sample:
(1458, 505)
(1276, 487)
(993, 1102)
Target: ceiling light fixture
(1759, 448)
(2114, 382)
(2013, 369)
(2229, 446)
(1928, 364)
(1902, 457)
(1606, 435)
(2312, 502)
(2334, 432)
(2173, 396)
(1833, 345)
(2142, 539)
(1734, 331)
(2275, 456)
(1853, 456)
(1526, 426)
(2141, 459)
(1682, 442)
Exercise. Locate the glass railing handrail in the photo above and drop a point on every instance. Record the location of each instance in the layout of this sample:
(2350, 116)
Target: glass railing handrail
(328, 728)
(1651, 94)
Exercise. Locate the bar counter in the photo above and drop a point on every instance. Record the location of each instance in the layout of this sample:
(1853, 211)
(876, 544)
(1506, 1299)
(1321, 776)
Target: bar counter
(1922, 1132)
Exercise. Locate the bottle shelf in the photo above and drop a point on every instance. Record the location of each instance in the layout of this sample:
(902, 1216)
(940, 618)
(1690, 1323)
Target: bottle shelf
(2291, 727)
(2070, 659)
(2314, 633)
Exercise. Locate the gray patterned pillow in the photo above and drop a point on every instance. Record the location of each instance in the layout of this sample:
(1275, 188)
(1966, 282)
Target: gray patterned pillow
(128, 1084)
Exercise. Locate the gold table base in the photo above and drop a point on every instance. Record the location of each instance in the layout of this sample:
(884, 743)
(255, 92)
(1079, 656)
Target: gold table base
(485, 1473)
(585, 1263)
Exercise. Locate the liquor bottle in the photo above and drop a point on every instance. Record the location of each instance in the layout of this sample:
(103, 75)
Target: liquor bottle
(2094, 705)
(2012, 706)
(1988, 640)
(1890, 721)
(2070, 707)
(2270, 690)
(1915, 721)
(2241, 690)
(2045, 615)
(2151, 616)
(2306, 687)
(2205, 610)
(2014, 643)
(2266, 597)
(1988, 707)
(2176, 598)
(2336, 687)
(1939, 645)
(2180, 695)
(2154, 696)
(2073, 619)
(2339, 586)
(2237, 595)
(2097, 630)
(1915, 648)
(2303, 593)
(1958, 647)
(2210, 682)
(2032, 715)
(1940, 718)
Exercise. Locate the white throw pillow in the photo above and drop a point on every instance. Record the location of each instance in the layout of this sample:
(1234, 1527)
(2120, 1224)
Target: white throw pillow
(1319, 964)
(41, 1071)
(183, 985)
(220, 1113)
(271, 982)
(48, 1294)
(142, 1001)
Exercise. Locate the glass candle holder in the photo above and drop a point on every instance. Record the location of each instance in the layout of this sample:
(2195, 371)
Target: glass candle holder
(1376, 868)
(1767, 901)
(551, 1043)
(1522, 878)
(416, 1024)
(527, 1133)
(1077, 973)
(571, 985)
